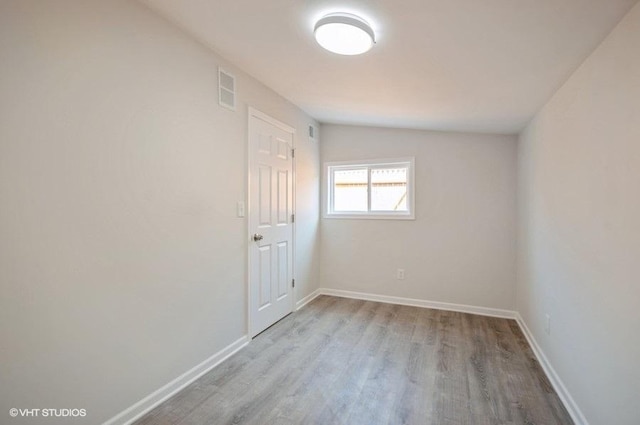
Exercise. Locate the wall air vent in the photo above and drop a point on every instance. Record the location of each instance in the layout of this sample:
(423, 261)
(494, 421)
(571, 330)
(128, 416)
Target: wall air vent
(226, 89)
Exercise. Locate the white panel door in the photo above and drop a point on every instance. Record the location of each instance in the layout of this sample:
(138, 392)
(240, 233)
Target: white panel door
(270, 221)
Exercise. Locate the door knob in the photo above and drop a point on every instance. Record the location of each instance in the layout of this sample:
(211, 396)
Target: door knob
(257, 237)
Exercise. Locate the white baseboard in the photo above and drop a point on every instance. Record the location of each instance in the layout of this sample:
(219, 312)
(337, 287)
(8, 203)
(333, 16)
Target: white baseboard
(558, 385)
(483, 311)
(143, 406)
(306, 300)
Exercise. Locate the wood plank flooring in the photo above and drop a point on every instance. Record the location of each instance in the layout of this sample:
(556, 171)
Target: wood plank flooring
(344, 361)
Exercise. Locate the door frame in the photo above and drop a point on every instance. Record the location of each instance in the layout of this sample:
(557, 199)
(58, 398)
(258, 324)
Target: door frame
(255, 113)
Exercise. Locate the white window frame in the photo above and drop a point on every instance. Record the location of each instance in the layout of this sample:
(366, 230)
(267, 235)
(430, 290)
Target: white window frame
(329, 167)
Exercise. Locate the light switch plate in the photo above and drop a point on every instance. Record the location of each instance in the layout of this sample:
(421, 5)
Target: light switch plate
(240, 209)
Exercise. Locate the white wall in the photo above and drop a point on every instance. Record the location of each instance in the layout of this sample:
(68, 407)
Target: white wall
(461, 247)
(307, 238)
(579, 229)
(122, 263)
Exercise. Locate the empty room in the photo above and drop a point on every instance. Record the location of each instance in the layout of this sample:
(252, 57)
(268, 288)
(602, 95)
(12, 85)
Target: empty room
(368, 212)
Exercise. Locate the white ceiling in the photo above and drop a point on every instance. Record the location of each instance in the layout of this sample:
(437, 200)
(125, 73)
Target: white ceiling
(460, 65)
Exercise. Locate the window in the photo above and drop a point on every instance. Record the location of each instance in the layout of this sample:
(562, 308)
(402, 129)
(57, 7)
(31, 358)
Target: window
(370, 189)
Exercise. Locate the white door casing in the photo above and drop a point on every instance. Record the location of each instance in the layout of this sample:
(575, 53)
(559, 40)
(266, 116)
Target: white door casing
(270, 221)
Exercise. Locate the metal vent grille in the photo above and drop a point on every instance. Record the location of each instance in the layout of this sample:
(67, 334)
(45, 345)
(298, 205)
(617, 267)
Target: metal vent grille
(226, 89)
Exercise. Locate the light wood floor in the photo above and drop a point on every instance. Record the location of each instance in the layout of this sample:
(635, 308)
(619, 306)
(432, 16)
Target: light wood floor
(343, 361)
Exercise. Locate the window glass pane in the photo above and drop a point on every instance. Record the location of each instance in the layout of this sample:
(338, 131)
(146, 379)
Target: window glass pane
(371, 189)
(389, 189)
(350, 190)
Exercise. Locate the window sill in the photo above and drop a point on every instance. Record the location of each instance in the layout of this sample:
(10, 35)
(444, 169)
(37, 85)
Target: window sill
(370, 216)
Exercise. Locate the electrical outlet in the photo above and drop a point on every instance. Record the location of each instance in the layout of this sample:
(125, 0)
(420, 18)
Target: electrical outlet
(547, 324)
(400, 274)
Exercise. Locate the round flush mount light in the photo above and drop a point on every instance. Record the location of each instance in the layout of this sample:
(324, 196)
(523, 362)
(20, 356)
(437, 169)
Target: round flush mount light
(344, 34)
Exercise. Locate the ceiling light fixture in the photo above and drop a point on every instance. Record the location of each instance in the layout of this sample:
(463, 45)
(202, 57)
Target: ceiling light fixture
(344, 34)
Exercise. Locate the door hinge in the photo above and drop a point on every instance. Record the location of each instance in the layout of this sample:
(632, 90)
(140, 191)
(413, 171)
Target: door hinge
(293, 218)
(293, 153)
(293, 283)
